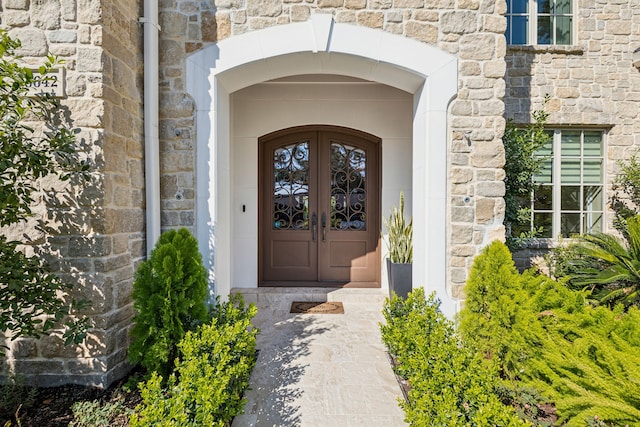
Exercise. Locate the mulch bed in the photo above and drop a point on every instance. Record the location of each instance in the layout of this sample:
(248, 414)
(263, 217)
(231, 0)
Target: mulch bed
(51, 407)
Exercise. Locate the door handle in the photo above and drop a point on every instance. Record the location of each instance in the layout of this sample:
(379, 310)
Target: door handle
(324, 226)
(314, 226)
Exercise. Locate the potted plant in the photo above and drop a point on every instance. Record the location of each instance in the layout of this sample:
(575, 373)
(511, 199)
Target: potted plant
(400, 246)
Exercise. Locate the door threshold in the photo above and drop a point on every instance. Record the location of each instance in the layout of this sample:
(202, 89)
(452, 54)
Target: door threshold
(311, 284)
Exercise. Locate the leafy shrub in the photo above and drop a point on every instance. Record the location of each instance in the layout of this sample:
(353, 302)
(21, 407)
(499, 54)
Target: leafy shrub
(210, 377)
(610, 266)
(496, 300)
(96, 414)
(585, 359)
(521, 146)
(450, 384)
(625, 201)
(169, 293)
(28, 289)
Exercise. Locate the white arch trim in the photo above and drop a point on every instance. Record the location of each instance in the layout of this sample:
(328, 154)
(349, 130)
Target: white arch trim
(322, 46)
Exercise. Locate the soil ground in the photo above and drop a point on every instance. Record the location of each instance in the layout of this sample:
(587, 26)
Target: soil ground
(51, 407)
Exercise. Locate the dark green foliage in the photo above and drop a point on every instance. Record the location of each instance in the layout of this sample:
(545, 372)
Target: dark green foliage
(169, 293)
(521, 144)
(210, 377)
(626, 197)
(30, 297)
(15, 399)
(584, 359)
(27, 288)
(451, 385)
(610, 266)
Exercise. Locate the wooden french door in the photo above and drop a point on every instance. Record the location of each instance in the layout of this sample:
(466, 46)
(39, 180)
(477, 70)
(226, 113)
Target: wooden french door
(320, 207)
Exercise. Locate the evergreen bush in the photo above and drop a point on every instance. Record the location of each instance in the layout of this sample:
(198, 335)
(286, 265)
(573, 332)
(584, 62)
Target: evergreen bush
(169, 293)
(210, 377)
(451, 385)
(584, 359)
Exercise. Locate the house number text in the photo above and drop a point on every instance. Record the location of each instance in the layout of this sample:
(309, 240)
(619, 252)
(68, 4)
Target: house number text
(52, 83)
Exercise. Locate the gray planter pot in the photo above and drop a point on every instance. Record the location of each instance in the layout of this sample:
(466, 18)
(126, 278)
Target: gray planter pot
(399, 278)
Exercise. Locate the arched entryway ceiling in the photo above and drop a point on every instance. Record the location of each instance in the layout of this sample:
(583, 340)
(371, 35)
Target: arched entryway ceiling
(322, 46)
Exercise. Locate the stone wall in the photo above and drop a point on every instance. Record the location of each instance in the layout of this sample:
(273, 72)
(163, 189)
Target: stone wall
(592, 83)
(100, 233)
(471, 29)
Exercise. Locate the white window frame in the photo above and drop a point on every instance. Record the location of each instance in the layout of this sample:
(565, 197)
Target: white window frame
(532, 24)
(556, 182)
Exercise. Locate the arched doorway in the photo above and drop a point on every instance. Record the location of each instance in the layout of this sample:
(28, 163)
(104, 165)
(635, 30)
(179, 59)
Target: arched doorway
(321, 46)
(319, 219)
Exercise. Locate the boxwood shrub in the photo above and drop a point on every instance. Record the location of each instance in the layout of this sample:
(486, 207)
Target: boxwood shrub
(451, 385)
(211, 373)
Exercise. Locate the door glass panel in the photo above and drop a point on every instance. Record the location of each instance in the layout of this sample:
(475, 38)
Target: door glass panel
(348, 187)
(291, 187)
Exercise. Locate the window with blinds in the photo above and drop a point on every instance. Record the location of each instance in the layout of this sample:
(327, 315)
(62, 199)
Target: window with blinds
(569, 195)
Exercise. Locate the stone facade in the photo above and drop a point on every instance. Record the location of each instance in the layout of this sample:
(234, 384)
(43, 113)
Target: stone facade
(591, 84)
(100, 235)
(473, 30)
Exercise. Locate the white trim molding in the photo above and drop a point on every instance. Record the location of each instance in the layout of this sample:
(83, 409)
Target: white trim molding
(322, 46)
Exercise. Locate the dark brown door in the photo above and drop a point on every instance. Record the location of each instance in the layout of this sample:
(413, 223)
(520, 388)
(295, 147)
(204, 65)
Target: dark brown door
(320, 207)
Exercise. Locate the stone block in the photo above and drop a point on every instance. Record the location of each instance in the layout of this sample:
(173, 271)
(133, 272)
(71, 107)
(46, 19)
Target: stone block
(461, 234)
(478, 46)
(411, 4)
(370, 19)
(485, 210)
(63, 36)
(459, 22)
(490, 189)
(37, 367)
(68, 10)
(16, 4)
(421, 31)
(34, 41)
(272, 8)
(90, 59)
(45, 14)
(355, 4)
(173, 24)
(112, 263)
(461, 175)
(174, 105)
(24, 348)
(380, 4)
(92, 111)
(172, 52)
(462, 214)
(223, 29)
(15, 18)
(86, 246)
(300, 13)
(89, 11)
(494, 24)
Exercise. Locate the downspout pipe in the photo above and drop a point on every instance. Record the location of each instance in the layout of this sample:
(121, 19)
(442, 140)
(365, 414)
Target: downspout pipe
(151, 133)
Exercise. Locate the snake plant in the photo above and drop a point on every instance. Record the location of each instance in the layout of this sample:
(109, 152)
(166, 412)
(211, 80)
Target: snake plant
(400, 235)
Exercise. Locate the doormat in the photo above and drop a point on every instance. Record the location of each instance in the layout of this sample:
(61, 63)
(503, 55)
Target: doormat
(309, 307)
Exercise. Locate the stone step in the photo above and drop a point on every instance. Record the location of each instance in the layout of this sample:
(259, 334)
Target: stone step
(282, 296)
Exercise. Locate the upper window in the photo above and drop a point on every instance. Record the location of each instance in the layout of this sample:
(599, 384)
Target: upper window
(539, 22)
(569, 195)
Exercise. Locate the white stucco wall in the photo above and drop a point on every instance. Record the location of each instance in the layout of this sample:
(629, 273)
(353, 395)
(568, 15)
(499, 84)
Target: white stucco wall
(260, 109)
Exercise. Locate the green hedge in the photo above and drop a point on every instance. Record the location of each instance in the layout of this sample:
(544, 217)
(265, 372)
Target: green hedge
(210, 376)
(451, 385)
(542, 335)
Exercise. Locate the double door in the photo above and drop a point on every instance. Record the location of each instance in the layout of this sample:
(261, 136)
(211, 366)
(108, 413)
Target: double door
(320, 204)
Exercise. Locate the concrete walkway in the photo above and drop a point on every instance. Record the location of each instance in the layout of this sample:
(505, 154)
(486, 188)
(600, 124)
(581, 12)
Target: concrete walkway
(320, 370)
